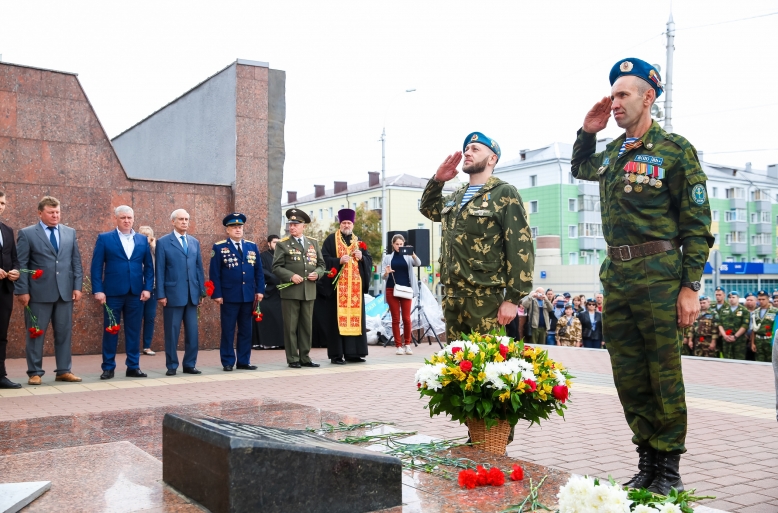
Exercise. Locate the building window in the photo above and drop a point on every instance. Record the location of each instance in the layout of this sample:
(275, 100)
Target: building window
(765, 218)
(735, 237)
(716, 239)
(730, 259)
(534, 231)
(572, 258)
(754, 218)
(321, 213)
(353, 206)
(420, 226)
(760, 195)
(589, 203)
(331, 215)
(714, 192)
(736, 193)
(761, 238)
(570, 179)
(533, 181)
(572, 205)
(375, 202)
(715, 215)
(735, 215)
(589, 230)
(310, 213)
(572, 232)
(533, 207)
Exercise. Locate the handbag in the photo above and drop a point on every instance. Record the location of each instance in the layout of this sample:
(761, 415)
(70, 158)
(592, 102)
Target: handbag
(401, 291)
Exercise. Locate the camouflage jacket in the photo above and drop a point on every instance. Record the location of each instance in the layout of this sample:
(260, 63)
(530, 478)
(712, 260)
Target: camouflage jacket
(730, 320)
(675, 207)
(764, 327)
(487, 244)
(706, 325)
(568, 334)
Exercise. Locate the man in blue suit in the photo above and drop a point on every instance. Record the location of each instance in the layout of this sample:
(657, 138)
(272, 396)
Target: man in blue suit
(180, 289)
(238, 282)
(122, 277)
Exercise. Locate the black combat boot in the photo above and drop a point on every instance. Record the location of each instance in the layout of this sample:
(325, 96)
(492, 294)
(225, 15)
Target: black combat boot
(667, 474)
(647, 467)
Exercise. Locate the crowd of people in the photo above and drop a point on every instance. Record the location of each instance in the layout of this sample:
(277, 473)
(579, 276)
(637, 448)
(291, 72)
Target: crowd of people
(563, 320)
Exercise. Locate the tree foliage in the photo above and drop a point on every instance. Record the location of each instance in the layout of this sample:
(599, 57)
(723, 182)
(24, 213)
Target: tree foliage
(367, 226)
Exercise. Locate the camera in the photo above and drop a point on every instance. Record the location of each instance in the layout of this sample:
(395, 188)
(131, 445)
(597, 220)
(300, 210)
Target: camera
(406, 250)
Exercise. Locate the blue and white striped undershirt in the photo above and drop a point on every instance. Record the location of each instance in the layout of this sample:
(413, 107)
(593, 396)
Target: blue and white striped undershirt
(628, 140)
(469, 193)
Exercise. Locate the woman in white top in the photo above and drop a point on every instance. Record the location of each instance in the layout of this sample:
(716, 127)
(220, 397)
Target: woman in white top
(398, 270)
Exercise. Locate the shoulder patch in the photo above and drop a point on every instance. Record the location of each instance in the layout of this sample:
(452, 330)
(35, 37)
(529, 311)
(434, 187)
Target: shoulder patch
(699, 194)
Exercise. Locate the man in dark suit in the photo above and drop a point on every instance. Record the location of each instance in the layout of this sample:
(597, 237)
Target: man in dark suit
(238, 284)
(9, 273)
(591, 325)
(52, 248)
(122, 277)
(298, 260)
(180, 289)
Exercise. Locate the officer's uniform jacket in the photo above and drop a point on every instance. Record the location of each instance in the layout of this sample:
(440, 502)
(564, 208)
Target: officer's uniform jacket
(486, 245)
(236, 279)
(730, 320)
(291, 258)
(674, 207)
(765, 326)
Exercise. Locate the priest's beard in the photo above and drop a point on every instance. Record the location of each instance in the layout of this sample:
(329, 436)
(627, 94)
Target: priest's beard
(475, 168)
(346, 232)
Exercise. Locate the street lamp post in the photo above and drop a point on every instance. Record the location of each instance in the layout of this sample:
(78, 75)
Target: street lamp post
(384, 210)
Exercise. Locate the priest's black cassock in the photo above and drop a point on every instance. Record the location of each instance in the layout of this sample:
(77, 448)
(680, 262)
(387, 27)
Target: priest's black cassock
(270, 331)
(325, 311)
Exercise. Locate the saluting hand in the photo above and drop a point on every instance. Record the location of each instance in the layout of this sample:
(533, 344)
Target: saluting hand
(448, 169)
(597, 118)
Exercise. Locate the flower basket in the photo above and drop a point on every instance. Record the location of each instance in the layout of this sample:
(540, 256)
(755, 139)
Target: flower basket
(494, 439)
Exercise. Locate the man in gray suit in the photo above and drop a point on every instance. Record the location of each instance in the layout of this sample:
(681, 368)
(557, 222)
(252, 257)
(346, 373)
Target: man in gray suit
(52, 248)
(180, 289)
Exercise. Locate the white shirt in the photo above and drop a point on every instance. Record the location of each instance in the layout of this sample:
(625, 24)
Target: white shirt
(128, 242)
(237, 244)
(301, 240)
(178, 238)
(47, 232)
(1, 238)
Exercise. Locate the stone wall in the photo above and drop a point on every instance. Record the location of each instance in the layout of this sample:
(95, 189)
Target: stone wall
(52, 143)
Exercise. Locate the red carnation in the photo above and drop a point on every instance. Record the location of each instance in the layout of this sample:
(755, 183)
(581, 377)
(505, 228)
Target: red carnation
(496, 477)
(37, 274)
(518, 473)
(531, 384)
(702, 339)
(468, 479)
(729, 332)
(362, 246)
(209, 288)
(482, 476)
(466, 365)
(560, 393)
(418, 386)
(503, 350)
(333, 272)
(455, 350)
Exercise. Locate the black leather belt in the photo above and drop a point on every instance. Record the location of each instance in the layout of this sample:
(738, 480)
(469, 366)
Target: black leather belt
(626, 253)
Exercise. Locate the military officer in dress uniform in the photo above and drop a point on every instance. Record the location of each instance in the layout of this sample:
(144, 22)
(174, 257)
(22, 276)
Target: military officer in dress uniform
(733, 324)
(238, 284)
(701, 337)
(298, 261)
(762, 327)
(654, 202)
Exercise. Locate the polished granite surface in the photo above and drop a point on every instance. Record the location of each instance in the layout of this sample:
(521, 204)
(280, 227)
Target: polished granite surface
(111, 462)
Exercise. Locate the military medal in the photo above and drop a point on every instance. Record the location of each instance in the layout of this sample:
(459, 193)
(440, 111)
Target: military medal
(639, 178)
(638, 188)
(632, 178)
(484, 204)
(628, 188)
(652, 182)
(658, 184)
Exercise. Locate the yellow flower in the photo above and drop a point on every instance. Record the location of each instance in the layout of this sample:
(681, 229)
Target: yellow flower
(469, 386)
(541, 395)
(535, 368)
(547, 389)
(568, 383)
(498, 358)
(505, 395)
(458, 357)
(481, 376)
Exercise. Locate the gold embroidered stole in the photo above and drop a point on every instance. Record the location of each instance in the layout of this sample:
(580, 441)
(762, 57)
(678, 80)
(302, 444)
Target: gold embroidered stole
(349, 289)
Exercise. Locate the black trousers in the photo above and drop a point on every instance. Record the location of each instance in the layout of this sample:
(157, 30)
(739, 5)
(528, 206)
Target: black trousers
(6, 307)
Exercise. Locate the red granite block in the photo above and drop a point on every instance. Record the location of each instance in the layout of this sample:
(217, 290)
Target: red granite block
(244, 71)
(251, 98)
(252, 137)
(260, 73)
(29, 116)
(61, 85)
(20, 80)
(7, 114)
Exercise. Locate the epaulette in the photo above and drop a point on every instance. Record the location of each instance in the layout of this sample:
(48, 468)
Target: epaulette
(317, 240)
(680, 140)
(284, 239)
(221, 241)
(249, 241)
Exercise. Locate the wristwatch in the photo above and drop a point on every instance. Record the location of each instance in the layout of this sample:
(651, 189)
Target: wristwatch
(694, 285)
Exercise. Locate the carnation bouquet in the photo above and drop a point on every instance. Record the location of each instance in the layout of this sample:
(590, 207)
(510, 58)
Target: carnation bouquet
(492, 378)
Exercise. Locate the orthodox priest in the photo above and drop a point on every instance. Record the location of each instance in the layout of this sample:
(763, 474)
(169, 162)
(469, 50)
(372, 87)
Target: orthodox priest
(269, 333)
(340, 309)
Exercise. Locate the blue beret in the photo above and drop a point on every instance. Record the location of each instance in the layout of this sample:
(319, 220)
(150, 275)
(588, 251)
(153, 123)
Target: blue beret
(762, 293)
(640, 69)
(234, 219)
(733, 293)
(478, 137)
(720, 288)
(750, 294)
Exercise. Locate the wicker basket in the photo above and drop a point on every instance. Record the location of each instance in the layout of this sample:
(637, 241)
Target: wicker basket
(494, 440)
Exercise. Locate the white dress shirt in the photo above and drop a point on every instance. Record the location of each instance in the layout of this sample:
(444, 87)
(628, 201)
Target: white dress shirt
(128, 242)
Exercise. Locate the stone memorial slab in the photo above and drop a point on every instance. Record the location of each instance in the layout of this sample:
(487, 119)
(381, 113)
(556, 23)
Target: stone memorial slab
(232, 467)
(15, 496)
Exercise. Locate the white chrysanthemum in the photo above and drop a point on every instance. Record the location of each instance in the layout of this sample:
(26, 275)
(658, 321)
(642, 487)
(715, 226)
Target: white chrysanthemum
(642, 508)
(560, 378)
(574, 495)
(669, 508)
(428, 375)
(515, 369)
(605, 498)
(503, 340)
(466, 345)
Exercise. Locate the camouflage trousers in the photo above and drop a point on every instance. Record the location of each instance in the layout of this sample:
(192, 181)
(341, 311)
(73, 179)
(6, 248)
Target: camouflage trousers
(465, 315)
(702, 347)
(644, 343)
(763, 349)
(734, 350)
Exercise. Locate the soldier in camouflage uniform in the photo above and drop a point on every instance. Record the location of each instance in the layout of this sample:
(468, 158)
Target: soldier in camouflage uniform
(654, 201)
(733, 324)
(762, 326)
(568, 329)
(487, 257)
(703, 334)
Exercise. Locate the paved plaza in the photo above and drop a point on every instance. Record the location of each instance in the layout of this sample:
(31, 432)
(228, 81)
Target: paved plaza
(732, 441)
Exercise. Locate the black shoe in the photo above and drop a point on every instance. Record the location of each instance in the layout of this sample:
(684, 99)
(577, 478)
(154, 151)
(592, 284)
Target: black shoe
(135, 373)
(309, 364)
(191, 370)
(295, 365)
(7, 383)
(338, 361)
(170, 372)
(667, 474)
(647, 468)
(227, 368)
(355, 360)
(246, 367)
(106, 375)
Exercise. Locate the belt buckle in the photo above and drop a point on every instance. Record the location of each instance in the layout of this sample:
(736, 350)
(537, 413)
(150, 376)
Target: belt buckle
(621, 253)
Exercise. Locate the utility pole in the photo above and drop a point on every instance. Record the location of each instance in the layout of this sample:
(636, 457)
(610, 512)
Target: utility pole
(669, 75)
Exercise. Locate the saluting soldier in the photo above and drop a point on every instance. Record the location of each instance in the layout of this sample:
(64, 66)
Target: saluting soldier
(239, 283)
(704, 332)
(298, 260)
(487, 256)
(762, 324)
(733, 325)
(653, 202)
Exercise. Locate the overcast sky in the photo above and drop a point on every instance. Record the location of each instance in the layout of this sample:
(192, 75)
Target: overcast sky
(524, 73)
